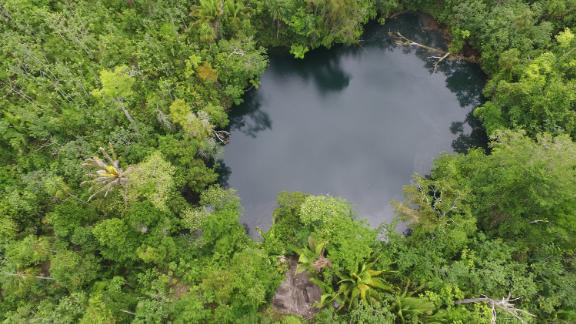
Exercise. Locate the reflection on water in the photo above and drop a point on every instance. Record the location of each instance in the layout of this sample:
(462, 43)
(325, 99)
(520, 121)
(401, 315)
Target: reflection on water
(248, 118)
(355, 122)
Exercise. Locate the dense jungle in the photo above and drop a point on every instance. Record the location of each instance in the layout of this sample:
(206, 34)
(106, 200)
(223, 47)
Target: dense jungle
(114, 116)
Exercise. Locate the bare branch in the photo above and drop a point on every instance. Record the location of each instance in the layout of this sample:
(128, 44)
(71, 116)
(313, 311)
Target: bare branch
(440, 60)
(402, 40)
(222, 136)
(505, 304)
(127, 312)
(539, 221)
(23, 276)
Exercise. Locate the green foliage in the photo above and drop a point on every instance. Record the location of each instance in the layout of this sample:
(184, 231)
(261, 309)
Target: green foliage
(565, 38)
(153, 180)
(521, 197)
(298, 50)
(116, 240)
(155, 80)
(312, 258)
(362, 286)
(459, 38)
(349, 242)
(197, 125)
(72, 270)
(97, 312)
(23, 268)
(366, 313)
(317, 211)
(288, 232)
(307, 25)
(68, 216)
(523, 190)
(221, 231)
(540, 98)
(244, 285)
(116, 84)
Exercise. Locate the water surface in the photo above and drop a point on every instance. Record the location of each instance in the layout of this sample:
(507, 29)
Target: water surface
(355, 122)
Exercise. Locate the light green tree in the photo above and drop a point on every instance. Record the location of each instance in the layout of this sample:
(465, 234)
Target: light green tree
(153, 180)
(117, 89)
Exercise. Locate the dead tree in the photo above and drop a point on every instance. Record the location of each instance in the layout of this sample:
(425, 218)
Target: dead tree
(505, 304)
(222, 136)
(440, 56)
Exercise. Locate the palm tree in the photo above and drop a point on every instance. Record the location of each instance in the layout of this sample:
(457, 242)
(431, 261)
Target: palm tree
(277, 12)
(210, 11)
(108, 174)
(364, 285)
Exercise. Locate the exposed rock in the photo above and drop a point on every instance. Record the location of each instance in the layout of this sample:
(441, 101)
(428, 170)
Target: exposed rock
(296, 294)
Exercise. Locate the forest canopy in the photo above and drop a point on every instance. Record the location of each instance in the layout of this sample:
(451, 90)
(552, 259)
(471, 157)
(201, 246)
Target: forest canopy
(113, 115)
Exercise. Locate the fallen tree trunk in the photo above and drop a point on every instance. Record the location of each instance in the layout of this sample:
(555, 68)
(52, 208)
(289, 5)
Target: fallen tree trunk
(440, 54)
(402, 40)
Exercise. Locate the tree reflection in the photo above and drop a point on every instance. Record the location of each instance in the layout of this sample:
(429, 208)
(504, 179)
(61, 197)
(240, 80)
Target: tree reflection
(464, 79)
(223, 172)
(322, 67)
(247, 117)
(466, 140)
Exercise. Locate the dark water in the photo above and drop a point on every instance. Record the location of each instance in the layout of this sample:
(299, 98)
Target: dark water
(355, 122)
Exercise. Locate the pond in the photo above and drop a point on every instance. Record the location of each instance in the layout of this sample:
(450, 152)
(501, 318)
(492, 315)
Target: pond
(354, 122)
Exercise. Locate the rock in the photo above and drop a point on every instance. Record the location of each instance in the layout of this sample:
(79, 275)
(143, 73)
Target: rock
(296, 294)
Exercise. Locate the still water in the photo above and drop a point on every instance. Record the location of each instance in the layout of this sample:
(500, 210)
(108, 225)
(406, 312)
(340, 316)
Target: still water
(355, 122)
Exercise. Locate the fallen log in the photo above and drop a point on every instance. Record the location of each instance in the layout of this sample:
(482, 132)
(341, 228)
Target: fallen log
(440, 54)
(402, 40)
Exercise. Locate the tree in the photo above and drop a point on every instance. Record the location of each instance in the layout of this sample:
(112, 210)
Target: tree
(116, 240)
(538, 98)
(349, 242)
(153, 180)
(196, 125)
(362, 286)
(108, 174)
(117, 89)
(72, 270)
(520, 195)
(312, 258)
(97, 312)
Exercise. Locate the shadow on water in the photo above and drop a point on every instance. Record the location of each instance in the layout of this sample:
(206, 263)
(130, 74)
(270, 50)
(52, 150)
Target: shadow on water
(466, 80)
(247, 117)
(475, 138)
(223, 172)
(322, 68)
(411, 26)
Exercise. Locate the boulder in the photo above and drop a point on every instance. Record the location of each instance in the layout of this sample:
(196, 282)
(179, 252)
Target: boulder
(296, 294)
